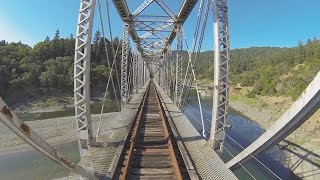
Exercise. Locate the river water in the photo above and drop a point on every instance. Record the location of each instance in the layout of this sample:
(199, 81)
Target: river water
(32, 165)
(242, 131)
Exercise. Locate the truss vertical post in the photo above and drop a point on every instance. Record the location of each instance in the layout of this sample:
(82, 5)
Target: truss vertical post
(221, 74)
(172, 79)
(159, 75)
(130, 70)
(124, 64)
(178, 73)
(140, 70)
(147, 75)
(167, 80)
(82, 76)
(135, 72)
(144, 72)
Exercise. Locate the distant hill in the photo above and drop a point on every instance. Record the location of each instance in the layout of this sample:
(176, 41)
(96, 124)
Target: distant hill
(47, 69)
(270, 70)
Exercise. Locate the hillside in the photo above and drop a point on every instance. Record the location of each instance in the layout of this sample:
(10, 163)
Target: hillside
(270, 71)
(46, 70)
(268, 80)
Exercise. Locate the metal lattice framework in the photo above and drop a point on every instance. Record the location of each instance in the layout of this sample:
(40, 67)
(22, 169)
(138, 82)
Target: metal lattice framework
(153, 35)
(178, 86)
(82, 75)
(135, 72)
(124, 63)
(221, 76)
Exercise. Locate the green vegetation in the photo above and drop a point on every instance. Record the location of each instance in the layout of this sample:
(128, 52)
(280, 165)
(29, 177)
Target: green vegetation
(46, 70)
(270, 71)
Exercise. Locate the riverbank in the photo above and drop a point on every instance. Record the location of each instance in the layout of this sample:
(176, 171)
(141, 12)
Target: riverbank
(55, 131)
(266, 110)
(43, 104)
(301, 147)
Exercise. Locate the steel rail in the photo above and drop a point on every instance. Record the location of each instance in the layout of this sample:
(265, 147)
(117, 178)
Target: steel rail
(134, 135)
(158, 127)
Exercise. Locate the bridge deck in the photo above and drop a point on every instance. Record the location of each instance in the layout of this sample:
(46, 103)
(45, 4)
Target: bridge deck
(206, 161)
(202, 159)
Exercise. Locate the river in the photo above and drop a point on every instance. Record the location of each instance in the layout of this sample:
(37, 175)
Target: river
(244, 131)
(32, 165)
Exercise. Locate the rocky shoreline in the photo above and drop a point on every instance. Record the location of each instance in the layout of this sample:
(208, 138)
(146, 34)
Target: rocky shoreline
(253, 113)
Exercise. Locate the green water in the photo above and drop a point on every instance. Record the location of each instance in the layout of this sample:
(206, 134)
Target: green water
(32, 165)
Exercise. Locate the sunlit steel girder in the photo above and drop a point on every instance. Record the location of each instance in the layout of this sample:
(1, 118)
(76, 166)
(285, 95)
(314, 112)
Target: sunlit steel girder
(140, 70)
(124, 63)
(166, 9)
(135, 72)
(82, 76)
(143, 6)
(149, 18)
(221, 74)
(123, 10)
(178, 86)
(125, 15)
(163, 27)
(183, 14)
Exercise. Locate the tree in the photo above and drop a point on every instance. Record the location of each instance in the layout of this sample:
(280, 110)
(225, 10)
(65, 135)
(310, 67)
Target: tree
(47, 39)
(3, 43)
(95, 49)
(71, 37)
(57, 35)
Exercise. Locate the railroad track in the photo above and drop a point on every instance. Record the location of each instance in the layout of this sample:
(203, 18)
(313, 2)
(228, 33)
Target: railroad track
(150, 151)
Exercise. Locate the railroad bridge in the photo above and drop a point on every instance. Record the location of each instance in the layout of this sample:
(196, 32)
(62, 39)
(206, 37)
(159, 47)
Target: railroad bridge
(151, 138)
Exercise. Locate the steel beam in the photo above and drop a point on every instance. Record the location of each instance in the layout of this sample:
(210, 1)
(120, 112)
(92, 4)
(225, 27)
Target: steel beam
(166, 9)
(184, 12)
(135, 72)
(123, 10)
(161, 27)
(221, 74)
(178, 72)
(10, 119)
(149, 18)
(142, 7)
(144, 72)
(140, 70)
(82, 76)
(124, 64)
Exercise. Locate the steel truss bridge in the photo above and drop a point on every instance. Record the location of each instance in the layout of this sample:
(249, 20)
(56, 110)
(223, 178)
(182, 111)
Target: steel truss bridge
(150, 58)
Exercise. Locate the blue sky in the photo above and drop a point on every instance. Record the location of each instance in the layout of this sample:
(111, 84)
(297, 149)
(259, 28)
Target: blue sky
(252, 22)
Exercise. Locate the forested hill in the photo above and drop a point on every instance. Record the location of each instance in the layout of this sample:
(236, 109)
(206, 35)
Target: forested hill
(269, 70)
(47, 69)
